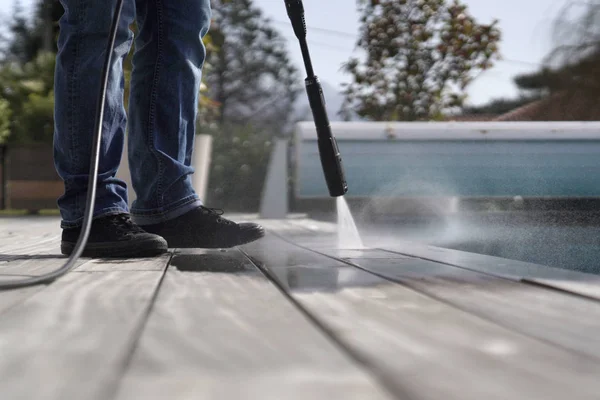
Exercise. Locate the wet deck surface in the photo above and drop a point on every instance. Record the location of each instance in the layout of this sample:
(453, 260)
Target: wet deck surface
(294, 317)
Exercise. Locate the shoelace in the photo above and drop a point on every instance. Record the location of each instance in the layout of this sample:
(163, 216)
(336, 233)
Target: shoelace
(124, 223)
(217, 212)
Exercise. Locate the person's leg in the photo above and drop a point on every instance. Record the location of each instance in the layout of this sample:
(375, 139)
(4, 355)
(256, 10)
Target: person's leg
(82, 43)
(168, 60)
(167, 66)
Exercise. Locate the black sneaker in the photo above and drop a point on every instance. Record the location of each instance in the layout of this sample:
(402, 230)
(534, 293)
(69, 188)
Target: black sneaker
(205, 228)
(114, 236)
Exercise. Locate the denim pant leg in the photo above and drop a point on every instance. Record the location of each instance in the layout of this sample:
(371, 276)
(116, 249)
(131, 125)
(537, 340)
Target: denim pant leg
(84, 34)
(167, 67)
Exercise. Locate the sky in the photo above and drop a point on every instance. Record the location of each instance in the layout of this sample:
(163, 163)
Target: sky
(525, 26)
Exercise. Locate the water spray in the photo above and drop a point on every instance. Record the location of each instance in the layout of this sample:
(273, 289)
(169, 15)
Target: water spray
(331, 159)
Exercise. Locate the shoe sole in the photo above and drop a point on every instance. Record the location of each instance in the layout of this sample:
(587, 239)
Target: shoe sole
(147, 248)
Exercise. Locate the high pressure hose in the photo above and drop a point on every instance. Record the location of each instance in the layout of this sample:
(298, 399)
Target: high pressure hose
(93, 174)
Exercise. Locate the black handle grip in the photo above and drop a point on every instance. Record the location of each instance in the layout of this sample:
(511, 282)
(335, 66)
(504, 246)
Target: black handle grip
(331, 159)
(295, 10)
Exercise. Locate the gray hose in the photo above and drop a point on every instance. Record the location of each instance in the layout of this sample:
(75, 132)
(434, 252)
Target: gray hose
(93, 174)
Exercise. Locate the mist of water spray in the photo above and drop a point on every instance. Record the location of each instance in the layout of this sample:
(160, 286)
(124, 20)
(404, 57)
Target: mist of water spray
(348, 235)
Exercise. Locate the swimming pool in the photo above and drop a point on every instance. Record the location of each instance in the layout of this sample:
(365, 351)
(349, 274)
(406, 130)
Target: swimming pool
(470, 160)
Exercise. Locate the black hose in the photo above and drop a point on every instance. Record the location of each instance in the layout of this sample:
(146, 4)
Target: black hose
(93, 174)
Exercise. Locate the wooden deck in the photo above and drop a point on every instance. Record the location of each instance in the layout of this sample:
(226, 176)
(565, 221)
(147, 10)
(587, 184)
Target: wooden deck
(292, 317)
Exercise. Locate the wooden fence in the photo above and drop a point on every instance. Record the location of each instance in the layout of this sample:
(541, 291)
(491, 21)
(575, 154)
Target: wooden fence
(31, 182)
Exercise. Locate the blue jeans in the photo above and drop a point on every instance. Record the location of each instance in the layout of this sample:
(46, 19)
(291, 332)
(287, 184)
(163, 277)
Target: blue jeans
(161, 122)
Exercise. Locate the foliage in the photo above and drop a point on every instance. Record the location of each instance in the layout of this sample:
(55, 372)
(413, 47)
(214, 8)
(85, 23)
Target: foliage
(28, 91)
(252, 81)
(30, 37)
(35, 123)
(27, 75)
(5, 116)
(250, 76)
(17, 46)
(420, 55)
(574, 63)
(238, 169)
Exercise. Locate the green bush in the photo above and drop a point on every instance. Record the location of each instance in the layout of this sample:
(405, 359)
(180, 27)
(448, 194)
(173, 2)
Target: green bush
(5, 116)
(28, 91)
(35, 122)
(240, 159)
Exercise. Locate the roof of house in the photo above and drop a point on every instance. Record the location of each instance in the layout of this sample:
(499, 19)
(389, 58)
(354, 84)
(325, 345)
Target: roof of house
(471, 117)
(561, 106)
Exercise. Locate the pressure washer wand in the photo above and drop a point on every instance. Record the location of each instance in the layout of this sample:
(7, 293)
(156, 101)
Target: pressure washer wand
(331, 159)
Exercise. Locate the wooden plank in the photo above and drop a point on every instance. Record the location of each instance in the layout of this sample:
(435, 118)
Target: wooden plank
(364, 253)
(25, 256)
(556, 317)
(25, 247)
(220, 330)
(24, 234)
(313, 225)
(29, 255)
(31, 247)
(563, 279)
(35, 189)
(71, 339)
(424, 348)
(31, 163)
(573, 281)
(282, 226)
(33, 194)
(133, 264)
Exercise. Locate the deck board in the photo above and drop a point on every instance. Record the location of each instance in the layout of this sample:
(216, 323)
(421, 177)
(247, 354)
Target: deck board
(556, 317)
(424, 347)
(579, 283)
(135, 264)
(573, 281)
(70, 339)
(27, 249)
(219, 329)
(408, 322)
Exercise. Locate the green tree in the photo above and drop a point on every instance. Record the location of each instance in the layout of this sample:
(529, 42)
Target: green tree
(28, 92)
(27, 38)
(238, 168)
(420, 55)
(5, 117)
(16, 45)
(574, 63)
(252, 81)
(27, 73)
(250, 76)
